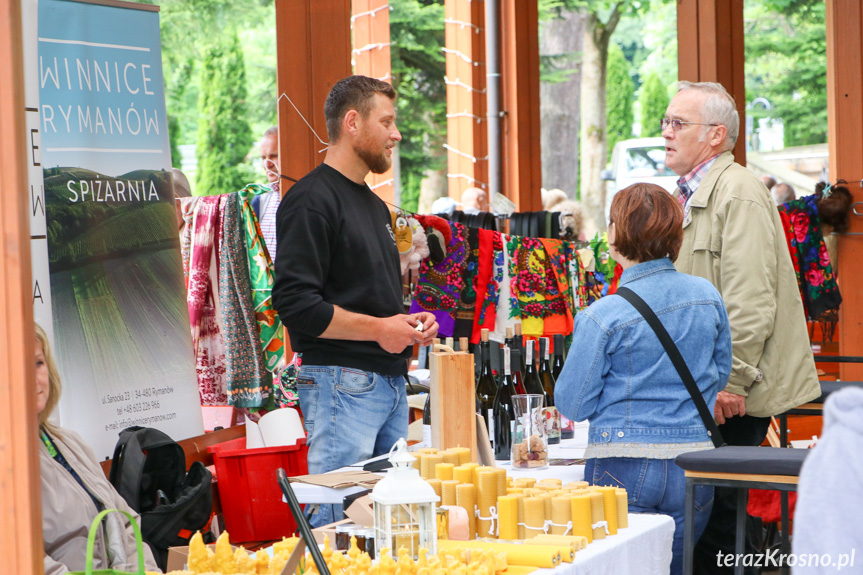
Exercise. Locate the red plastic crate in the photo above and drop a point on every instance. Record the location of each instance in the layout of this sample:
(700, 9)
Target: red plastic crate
(249, 492)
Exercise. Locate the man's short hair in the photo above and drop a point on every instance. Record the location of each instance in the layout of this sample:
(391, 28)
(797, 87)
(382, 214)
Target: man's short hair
(274, 132)
(718, 108)
(782, 194)
(352, 93)
(648, 223)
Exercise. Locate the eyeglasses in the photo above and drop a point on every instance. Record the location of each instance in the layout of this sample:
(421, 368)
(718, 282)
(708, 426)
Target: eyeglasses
(676, 124)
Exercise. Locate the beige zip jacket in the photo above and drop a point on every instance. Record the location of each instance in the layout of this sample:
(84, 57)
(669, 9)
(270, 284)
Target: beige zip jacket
(733, 237)
(67, 512)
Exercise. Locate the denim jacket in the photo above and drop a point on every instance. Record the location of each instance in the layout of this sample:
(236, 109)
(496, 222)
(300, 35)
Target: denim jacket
(618, 376)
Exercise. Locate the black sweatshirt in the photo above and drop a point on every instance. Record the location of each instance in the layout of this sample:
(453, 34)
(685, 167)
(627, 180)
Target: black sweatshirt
(336, 248)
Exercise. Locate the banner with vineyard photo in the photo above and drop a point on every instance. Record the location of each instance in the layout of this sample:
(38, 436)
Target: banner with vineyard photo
(121, 326)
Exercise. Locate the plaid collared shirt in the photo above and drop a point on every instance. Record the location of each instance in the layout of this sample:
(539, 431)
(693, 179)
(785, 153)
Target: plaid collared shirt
(268, 220)
(689, 183)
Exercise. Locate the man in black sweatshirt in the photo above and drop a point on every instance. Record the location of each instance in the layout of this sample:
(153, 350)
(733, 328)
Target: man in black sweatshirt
(338, 288)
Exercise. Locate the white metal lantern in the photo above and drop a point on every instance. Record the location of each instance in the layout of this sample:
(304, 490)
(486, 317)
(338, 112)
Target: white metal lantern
(404, 507)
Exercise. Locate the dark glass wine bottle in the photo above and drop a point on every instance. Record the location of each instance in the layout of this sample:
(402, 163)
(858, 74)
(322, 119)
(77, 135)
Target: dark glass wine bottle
(427, 433)
(517, 377)
(503, 415)
(567, 429)
(531, 377)
(518, 345)
(486, 387)
(552, 415)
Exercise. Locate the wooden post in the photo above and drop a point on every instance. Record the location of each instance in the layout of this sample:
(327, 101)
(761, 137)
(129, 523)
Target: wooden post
(370, 22)
(313, 47)
(710, 49)
(20, 495)
(467, 131)
(845, 137)
(522, 165)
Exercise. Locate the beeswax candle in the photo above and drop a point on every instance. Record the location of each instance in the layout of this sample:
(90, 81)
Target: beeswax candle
(622, 508)
(448, 492)
(450, 456)
(463, 474)
(436, 485)
(609, 507)
(534, 517)
(465, 496)
(561, 515)
(507, 509)
(581, 517)
(487, 498)
(597, 514)
(427, 464)
(443, 471)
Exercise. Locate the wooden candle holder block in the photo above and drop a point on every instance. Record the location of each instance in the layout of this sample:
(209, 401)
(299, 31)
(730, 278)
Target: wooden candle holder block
(453, 399)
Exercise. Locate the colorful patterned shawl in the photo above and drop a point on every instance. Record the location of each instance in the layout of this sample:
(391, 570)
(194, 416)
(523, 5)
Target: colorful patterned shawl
(440, 285)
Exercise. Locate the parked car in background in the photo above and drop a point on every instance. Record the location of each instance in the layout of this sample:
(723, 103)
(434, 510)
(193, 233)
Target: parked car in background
(637, 160)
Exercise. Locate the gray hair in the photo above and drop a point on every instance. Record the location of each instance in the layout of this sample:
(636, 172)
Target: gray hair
(274, 131)
(718, 108)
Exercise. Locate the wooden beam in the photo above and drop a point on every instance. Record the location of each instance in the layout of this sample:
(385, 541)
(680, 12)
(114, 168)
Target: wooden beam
(710, 49)
(313, 49)
(371, 57)
(522, 165)
(845, 138)
(20, 484)
(467, 131)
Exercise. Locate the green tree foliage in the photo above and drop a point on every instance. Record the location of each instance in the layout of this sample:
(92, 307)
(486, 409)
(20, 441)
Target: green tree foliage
(786, 62)
(174, 136)
(654, 102)
(418, 68)
(619, 97)
(224, 134)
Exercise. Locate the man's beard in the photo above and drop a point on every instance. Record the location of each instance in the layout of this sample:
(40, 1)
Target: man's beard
(378, 163)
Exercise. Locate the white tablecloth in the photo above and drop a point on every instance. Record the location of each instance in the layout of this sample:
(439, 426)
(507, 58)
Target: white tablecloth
(643, 548)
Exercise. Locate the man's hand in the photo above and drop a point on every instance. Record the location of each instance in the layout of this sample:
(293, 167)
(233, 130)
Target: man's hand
(397, 332)
(429, 329)
(728, 405)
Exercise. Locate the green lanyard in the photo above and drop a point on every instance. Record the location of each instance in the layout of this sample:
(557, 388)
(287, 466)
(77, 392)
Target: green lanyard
(49, 445)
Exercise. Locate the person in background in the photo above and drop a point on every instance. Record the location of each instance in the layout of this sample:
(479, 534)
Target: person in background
(75, 491)
(339, 290)
(266, 205)
(619, 377)
(474, 201)
(782, 194)
(733, 237)
(768, 181)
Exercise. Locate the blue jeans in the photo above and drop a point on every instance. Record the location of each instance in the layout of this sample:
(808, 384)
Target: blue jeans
(654, 486)
(349, 415)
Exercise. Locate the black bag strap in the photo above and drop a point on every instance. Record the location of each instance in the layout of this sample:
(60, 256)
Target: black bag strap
(679, 364)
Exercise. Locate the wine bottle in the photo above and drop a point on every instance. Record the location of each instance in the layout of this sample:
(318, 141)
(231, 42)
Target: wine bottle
(503, 416)
(486, 387)
(517, 377)
(567, 429)
(531, 377)
(552, 415)
(427, 434)
(518, 345)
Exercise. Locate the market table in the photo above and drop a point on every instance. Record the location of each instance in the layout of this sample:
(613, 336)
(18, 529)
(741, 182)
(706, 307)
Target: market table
(643, 548)
(567, 449)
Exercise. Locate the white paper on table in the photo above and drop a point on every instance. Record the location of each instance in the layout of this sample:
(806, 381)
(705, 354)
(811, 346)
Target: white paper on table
(254, 439)
(281, 427)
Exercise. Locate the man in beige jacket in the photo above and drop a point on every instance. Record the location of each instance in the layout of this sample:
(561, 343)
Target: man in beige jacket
(733, 237)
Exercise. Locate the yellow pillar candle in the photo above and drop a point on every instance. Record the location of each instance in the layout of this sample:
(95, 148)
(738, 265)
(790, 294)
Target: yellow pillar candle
(477, 470)
(443, 471)
(511, 490)
(622, 508)
(507, 510)
(597, 514)
(450, 456)
(547, 501)
(525, 482)
(520, 498)
(487, 498)
(550, 482)
(578, 484)
(609, 506)
(501, 480)
(581, 517)
(465, 496)
(561, 515)
(427, 465)
(463, 474)
(463, 454)
(448, 492)
(436, 485)
(534, 517)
